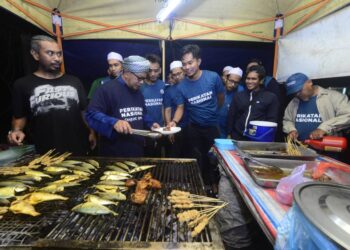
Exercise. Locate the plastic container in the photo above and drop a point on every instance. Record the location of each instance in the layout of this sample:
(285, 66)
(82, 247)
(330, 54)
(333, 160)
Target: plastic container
(328, 143)
(225, 144)
(261, 131)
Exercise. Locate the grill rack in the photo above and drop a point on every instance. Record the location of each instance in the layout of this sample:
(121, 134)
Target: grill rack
(135, 226)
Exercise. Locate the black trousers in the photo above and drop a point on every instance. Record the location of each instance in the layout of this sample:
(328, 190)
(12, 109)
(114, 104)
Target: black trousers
(201, 139)
(180, 147)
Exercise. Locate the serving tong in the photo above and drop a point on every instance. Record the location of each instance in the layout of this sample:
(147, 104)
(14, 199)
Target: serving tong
(147, 133)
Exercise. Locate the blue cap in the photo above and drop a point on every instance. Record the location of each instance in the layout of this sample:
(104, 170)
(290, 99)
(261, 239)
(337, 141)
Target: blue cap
(295, 83)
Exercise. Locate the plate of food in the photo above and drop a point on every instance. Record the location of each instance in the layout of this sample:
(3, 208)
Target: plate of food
(167, 130)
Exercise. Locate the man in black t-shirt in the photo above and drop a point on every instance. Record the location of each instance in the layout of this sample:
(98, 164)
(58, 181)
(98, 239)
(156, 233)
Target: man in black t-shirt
(52, 103)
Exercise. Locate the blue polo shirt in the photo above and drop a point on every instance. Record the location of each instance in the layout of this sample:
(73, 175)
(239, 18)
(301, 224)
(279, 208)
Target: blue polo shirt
(200, 98)
(171, 100)
(153, 94)
(223, 111)
(308, 118)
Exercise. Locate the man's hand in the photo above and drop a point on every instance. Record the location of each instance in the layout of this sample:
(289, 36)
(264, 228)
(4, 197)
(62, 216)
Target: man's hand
(92, 139)
(123, 127)
(172, 124)
(155, 125)
(16, 137)
(317, 134)
(293, 135)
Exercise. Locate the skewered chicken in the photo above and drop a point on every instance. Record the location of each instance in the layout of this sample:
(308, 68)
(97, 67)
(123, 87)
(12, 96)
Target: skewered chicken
(188, 215)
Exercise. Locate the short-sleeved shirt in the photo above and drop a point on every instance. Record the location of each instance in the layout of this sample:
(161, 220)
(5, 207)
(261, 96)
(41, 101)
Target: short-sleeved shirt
(200, 98)
(308, 118)
(171, 100)
(53, 108)
(153, 94)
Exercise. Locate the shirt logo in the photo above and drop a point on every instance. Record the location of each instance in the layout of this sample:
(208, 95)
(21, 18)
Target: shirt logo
(153, 102)
(201, 98)
(131, 114)
(307, 118)
(47, 97)
(161, 91)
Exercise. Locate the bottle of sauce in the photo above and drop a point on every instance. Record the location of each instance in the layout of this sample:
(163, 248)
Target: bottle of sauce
(328, 143)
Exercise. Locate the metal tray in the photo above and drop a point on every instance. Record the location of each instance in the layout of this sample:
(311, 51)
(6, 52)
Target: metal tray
(273, 150)
(327, 207)
(286, 166)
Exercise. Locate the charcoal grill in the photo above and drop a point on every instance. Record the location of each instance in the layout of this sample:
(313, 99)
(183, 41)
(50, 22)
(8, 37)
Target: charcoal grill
(153, 225)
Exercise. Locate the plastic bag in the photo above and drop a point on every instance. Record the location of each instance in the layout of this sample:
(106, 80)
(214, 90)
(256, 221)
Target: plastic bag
(296, 232)
(284, 189)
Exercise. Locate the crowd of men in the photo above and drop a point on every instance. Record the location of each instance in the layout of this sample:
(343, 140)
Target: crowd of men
(53, 108)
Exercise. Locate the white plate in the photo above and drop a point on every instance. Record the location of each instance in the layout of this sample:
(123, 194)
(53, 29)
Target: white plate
(172, 130)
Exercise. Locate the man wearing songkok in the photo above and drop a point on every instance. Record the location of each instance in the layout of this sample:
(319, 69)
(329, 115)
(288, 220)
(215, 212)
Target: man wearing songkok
(51, 103)
(115, 68)
(314, 111)
(153, 91)
(225, 72)
(232, 86)
(179, 145)
(202, 92)
(118, 107)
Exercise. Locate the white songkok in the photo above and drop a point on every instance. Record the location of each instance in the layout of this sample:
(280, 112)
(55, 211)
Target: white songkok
(235, 71)
(175, 64)
(136, 64)
(115, 56)
(227, 68)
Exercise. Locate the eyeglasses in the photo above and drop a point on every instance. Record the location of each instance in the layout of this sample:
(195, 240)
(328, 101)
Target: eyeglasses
(232, 81)
(139, 78)
(178, 74)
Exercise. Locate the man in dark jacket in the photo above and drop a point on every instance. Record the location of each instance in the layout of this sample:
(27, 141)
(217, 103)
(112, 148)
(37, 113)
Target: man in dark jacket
(270, 84)
(252, 104)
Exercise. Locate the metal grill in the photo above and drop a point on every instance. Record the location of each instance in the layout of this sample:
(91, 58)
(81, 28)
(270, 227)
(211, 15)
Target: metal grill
(153, 224)
(22, 230)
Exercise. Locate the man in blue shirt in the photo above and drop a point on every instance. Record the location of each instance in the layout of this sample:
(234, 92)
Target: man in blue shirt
(153, 90)
(314, 111)
(118, 107)
(202, 92)
(178, 146)
(232, 86)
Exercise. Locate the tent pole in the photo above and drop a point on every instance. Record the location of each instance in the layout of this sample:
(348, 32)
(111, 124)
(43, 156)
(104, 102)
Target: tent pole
(59, 41)
(163, 60)
(275, 60)
(279, 21)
